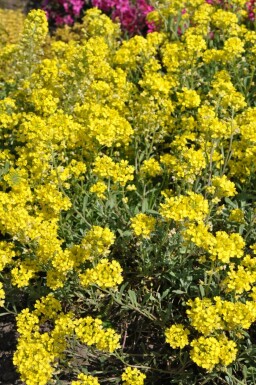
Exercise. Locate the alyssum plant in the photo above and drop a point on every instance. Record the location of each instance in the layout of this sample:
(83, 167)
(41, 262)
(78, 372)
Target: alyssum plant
(126, 206)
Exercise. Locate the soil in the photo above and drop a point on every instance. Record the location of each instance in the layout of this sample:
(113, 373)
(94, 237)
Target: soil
(8, 341)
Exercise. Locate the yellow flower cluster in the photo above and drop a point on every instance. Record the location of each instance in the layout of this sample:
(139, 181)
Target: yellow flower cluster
(2, 295)
(47, 307)
(143, 225)
(192, 207)
(208, 352)
(187, 164)
(210, 125)
(34, 360)
(224, 94)
(188, 99)
(224, 187)
(99, 189)
(97, 24)
(151, 167)
(241, 278)
(37, 352)
(236, 215)
(84, 379)
(133, 377)
(105, 124)
(203, 316)
(105, 167)
(105, 274)
(23, 272)
(225, 315)
(225, 20)
(221, 247)
(97, 242)
(177, 336)
(6, 254)
(226, 246)
(90, 331)
(29, 46)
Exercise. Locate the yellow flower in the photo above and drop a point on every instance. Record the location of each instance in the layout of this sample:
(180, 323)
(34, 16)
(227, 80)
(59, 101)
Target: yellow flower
(208, 352)
(226, 246)
(203, 316)
(188, 98)
(99, 188)
(223, 186)
(105, 167)
(151, 168)
(106, 274)
(90, 331)
(84, 379)
(236, 215)
(192, 207)
(133, 377)
(177, 336)
(96, 242)
(2, 295)
(143, 225)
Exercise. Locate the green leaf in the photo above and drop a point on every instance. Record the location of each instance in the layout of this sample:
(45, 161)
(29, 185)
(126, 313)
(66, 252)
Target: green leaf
(245, 372)
(165, 293)
(4, 169)
(152, 212)
(146, 298)
(85, 202)
(133, 297)
(144, 205)
(121, 289)
(241, 229)
(179, 292)
(202, 292)
(232, 204)
(127, 233)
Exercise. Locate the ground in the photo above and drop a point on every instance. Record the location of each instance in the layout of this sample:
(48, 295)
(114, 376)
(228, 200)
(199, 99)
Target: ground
(8, 340)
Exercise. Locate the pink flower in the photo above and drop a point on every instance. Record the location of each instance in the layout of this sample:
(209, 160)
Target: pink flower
(77, 6)
(251, 5)
(59, 20)
(65, 6)
(63, 11)
(68, 20)
(131, 16)
(104, 5)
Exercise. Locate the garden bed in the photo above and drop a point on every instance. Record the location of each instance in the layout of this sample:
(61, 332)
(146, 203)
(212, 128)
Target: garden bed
(127, 194)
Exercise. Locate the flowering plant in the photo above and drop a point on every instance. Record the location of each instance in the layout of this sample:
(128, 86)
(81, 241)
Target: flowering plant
(135, 16)
(62, 12)
(127, 198)
(251, 8)
(132, 16)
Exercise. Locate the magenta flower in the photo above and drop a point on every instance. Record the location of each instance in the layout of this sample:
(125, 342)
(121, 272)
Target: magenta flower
(77, 6)
(104, 5)
(63, 11)
(131, 14)
(132, 17)
(251, 6)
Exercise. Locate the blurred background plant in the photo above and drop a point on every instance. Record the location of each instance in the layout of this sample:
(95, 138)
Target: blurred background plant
(135, 16)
